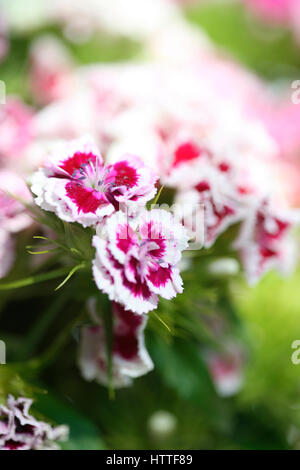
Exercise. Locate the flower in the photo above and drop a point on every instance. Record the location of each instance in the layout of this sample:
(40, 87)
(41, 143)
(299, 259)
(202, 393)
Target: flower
(78, 187)
(277, 11)
(136, 258)
(265, 241)
(130, 358)
(16, 129)
(13, 217)
(207, 196)
(50, 71)
(21, 431)
(226, 369)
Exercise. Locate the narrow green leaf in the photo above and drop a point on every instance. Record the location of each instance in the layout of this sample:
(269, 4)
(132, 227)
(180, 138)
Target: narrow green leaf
(40, 252)
(34, 279)
(162, 321)
(158, 195)
(73, 271)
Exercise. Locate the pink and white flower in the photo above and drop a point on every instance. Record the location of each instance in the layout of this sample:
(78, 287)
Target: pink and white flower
(207, 196)
(226, 369)
(136, 259)
(21, 431)
(265, 241)
(78, 187)
(130, 358)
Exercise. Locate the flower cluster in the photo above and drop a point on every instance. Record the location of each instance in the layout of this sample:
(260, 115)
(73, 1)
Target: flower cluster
(197, 122)
(137, 251)
(21, 431)
(221, 157)
(219, 195)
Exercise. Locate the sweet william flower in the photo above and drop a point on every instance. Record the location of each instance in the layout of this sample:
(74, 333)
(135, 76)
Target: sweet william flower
(136, 258)
(78, 187)
(265, 241)
(130, 358)
(226, 369)
(206, 193)
(21, 431)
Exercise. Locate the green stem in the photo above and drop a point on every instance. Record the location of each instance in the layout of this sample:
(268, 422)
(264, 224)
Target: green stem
(108, 325)
(73, 271)
(50, 354)
(157, 196)
(38, 331)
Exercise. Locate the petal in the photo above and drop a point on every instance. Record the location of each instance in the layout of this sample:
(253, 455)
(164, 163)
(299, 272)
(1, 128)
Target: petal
(121, 235)
(166, 282)
(133, 181)
(69, 157)
(86, 199)
(185, 152)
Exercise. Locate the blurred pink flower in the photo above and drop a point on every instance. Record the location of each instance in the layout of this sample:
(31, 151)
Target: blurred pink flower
(13, 216)
(278, 12)
(226, 369)
(206, 192)
(15, 128)
(130, 358)
(265, 241)
(50, 71)
(273, 10)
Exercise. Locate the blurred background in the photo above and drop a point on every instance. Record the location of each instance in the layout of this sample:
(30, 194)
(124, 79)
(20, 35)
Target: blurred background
(225, 380)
